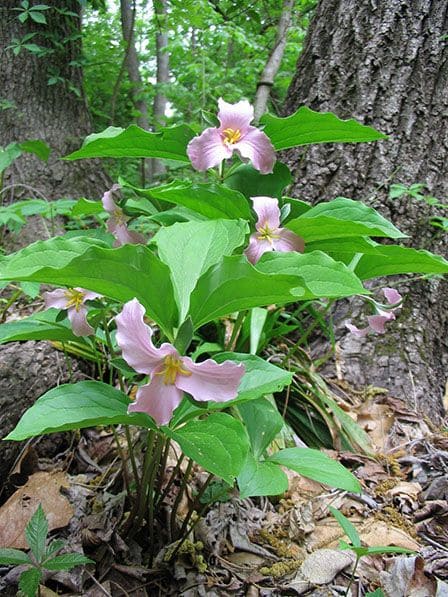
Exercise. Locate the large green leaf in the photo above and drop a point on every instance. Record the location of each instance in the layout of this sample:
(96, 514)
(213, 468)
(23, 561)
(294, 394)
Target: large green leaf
(9, 556)
(191, 248)
(342, 218)
(75, 406)
(390, 259)
(251, 183)
(307, 126)
(261, 478)
(40, 326)
(36, 533)
(212, 200)
(235, 284)
(218, 443)
(317, 466)
(263, 422)
(122, 274)
(135, 142)
(321, 275)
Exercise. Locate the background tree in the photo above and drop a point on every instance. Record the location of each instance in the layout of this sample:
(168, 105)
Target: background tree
(41, 88)
(384, 64)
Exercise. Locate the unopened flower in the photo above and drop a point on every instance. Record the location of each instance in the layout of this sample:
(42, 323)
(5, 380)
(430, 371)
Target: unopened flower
(269, 236)
(117, 223)
(73, 300)
(170, 373)
(234, 134)
(384, 313)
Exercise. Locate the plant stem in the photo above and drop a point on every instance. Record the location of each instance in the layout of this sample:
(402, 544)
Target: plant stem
(352, 578)
(178, 499)
(123, 461)
(137, 514)
(132, 457)
(151, 493)
(235, 331)
(171, 479)
(195, 504)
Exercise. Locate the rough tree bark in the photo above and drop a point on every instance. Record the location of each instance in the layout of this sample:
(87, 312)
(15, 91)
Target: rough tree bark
(56, 113)
(385, 63)
(273, 63)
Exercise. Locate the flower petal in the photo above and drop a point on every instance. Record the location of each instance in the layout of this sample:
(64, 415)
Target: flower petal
(288, 241)
(56, 298)
(377, 322)
(134, 339)
(257, 147)
(355, 330)
(78, 319)
(210, 380)
(157, 399)
(107, 201)
(392, 296)
(123, 235)
(268, 212)
(208, 150)
(256, 248)
(235, 116)
(88, 294)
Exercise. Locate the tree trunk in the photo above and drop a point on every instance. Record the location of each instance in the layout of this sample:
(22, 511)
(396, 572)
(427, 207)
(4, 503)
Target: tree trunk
(384, 63)
(43, 99)
(273, 63)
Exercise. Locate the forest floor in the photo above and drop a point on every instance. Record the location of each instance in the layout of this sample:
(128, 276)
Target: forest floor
(254, 547)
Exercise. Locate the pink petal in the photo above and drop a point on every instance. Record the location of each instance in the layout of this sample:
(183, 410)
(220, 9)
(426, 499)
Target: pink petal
(267, 211)
(235, 116)
(210, 380)
(208, 150)
(392, 296)
(257, 147)
(134, 339)
(256, 248)
(107, 201)
(56, 298)
(157, 399)
(78, 319)
(288, 241)
(377, 322)
(123, 235)
(88, 294)
(355, 330)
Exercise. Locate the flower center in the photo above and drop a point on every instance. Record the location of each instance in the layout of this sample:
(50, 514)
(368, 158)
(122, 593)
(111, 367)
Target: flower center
(267, 233)
(231, 136)
(173, 368)
(75, 298)
(119, 216)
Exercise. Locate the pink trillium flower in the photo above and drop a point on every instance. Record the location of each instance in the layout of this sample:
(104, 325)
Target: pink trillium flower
(170, 373)
(117, 223)
(384, 313)
(234, 134)
(269, 236)
(73, 300)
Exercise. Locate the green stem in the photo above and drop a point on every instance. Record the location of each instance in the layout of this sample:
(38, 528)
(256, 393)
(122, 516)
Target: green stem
(352, 578)
(137, 516)
(171, 480)
(178, 499)
(236, 331)
(195, 504)
(12, 299)
(123, 461)
(151, 493)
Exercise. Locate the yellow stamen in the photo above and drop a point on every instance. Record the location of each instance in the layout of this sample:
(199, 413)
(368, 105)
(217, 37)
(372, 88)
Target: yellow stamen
(173, 368)
(231, 136)
(75, 298)
(119, 216)
(267, 233)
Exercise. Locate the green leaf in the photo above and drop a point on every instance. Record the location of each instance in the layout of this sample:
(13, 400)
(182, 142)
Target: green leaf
(375, 593)
(122, 274)
(36, 146)
(390, 259)
(307, 126)
(75, 406)
(191, 248)
(29, 582)
(40, 326)
(378, 549)
(317, 466)
(38, 17)
(319, 274)
(348, 528)
(218, 443)
(36, 532)
(342, 218)
(263, 422)
(261, 478)
(14, 557)
(251, 183)
(85, 207)
(8, 155)
(134, 142)
(212, 200)
(258, 318)
(67, 561)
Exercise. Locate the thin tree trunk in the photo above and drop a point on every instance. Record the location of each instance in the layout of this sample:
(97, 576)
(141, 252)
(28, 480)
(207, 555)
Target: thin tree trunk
(384, 63)
(273, 63)
(163, 75)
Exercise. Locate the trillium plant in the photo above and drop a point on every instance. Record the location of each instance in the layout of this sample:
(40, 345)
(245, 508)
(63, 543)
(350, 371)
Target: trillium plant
(172, 300)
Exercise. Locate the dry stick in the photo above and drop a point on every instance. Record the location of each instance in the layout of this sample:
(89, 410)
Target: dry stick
(197, 501)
